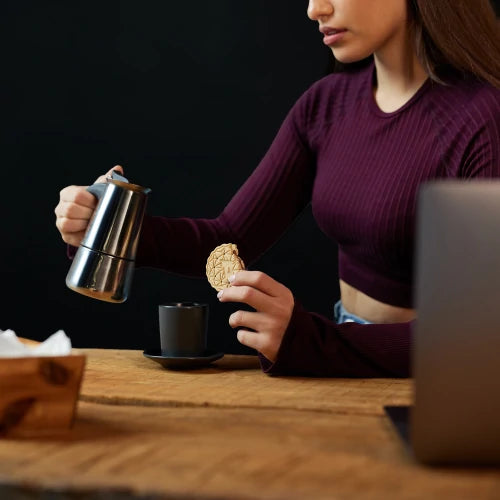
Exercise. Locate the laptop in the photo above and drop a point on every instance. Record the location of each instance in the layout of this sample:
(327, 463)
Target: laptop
(456, 354)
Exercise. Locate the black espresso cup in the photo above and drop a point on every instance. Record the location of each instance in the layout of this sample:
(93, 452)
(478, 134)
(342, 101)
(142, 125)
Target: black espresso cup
(183, 329)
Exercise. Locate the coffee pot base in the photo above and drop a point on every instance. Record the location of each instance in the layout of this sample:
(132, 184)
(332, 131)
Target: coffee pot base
(100, 276)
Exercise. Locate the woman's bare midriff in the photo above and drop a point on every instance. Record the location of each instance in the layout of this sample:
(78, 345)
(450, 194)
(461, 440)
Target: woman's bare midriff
(372, 310)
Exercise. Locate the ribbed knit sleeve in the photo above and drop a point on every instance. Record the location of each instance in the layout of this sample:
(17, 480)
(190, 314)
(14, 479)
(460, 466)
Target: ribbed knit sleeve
(315, 346)
(262, 209)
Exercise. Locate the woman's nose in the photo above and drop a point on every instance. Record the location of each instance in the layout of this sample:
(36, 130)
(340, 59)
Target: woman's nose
(318, 9)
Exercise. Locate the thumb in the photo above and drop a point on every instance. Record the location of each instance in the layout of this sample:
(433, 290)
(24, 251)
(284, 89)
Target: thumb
(117, 168)
(102, 178)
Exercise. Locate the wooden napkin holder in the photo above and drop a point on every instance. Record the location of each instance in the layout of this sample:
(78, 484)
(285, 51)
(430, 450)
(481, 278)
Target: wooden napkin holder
(38, 395)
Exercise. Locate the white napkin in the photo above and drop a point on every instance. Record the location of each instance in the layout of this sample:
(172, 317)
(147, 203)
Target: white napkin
(58, 344)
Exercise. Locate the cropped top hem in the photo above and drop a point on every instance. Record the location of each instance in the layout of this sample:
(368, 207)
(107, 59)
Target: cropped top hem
(376, 285)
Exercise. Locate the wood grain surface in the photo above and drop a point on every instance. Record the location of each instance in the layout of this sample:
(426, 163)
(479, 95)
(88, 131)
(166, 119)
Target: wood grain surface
(233, 454)
(233, 381)
(39, 394)
(228, 432)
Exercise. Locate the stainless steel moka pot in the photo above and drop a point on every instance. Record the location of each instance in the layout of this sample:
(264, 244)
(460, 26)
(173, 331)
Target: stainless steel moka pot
(104, 263)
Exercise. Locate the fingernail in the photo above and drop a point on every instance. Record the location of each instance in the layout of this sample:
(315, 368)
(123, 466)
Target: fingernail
(231, 278)
(219, 295)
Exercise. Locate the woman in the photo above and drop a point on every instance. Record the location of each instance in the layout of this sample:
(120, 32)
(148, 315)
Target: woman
(422, 102)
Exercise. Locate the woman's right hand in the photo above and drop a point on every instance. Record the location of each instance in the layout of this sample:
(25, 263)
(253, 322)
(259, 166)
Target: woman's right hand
(75, 208)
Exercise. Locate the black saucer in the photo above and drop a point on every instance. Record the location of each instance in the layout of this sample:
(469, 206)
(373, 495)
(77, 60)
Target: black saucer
(181, 362)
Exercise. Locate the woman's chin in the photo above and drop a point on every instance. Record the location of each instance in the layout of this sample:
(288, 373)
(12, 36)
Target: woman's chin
(348, 57)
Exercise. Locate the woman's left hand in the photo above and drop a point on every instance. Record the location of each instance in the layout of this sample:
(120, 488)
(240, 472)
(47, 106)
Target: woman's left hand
(273, 304)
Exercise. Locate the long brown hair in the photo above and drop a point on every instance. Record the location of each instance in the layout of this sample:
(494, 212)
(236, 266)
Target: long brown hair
(461, 35)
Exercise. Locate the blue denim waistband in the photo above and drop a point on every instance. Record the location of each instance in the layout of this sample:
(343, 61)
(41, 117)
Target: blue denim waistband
(340, 315)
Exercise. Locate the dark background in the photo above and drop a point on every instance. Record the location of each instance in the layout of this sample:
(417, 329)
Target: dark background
(187, 96)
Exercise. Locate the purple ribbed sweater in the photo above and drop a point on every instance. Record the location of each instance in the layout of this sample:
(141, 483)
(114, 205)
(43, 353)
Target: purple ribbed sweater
(361, 169)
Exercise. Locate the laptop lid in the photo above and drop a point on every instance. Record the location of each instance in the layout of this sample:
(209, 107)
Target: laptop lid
(456, 354)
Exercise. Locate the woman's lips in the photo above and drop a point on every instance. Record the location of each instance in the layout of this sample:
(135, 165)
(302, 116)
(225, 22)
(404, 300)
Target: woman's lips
(333, 37)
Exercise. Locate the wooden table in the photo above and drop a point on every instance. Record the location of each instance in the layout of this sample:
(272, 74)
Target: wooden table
(228, 432)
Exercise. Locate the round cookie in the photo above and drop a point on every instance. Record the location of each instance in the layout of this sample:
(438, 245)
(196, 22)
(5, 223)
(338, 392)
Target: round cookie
(221, 264)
